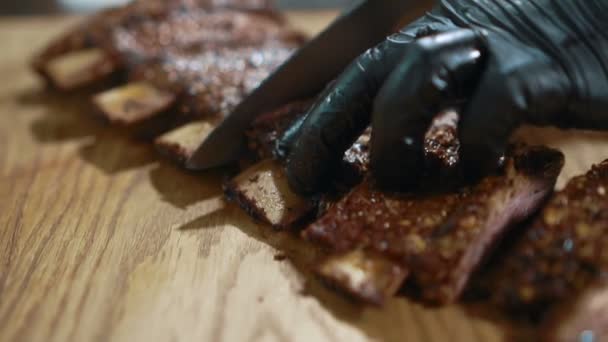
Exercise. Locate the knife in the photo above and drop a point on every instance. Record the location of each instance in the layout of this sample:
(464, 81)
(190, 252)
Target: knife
(305, 74)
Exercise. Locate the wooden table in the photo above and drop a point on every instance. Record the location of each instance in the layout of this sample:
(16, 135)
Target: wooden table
(100, 240)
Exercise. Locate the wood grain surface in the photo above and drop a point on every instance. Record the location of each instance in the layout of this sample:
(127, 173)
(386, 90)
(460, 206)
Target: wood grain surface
(100, 240)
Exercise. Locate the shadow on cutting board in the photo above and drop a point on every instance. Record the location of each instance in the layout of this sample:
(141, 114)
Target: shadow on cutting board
(63, 117)
(69, 117)
(181, 188)
(377, 323)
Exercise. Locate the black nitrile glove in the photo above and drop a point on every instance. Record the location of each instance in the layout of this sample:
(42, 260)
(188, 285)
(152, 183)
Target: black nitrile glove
(504, 62)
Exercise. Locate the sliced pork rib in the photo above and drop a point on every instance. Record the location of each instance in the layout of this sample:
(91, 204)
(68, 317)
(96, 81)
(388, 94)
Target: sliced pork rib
(440, 239)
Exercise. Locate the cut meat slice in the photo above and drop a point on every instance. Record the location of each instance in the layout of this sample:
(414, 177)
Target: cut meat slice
(440, 239)
(264, 193)
(563, 251)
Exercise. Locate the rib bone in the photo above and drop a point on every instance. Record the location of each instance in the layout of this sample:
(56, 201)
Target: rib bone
(133, 103)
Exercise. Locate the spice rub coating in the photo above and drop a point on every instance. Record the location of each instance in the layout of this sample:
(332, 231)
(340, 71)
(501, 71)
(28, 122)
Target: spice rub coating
(440, 238)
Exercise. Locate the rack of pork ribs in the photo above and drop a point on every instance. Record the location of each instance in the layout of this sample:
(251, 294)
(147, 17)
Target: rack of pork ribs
(189, 62)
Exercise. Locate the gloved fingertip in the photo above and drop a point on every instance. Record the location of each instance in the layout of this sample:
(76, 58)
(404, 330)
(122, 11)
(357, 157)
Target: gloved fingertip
(481, 158)
(397, 168)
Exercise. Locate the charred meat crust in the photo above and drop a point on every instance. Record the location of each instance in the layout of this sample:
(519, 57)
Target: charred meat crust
(440, 238)
(563, 251)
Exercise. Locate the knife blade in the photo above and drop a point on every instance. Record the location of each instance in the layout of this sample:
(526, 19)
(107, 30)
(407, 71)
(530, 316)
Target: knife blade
(305, 74)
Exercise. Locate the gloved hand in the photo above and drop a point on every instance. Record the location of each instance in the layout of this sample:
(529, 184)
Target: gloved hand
(502, 62)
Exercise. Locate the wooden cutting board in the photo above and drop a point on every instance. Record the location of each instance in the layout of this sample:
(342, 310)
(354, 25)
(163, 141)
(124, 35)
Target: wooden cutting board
(100, 240)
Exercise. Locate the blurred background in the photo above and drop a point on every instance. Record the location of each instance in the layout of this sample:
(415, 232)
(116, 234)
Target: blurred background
(27, 7)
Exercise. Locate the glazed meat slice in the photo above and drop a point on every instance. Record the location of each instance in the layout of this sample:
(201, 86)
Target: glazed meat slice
(439, 239)
(103, 43)
(563, 251)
